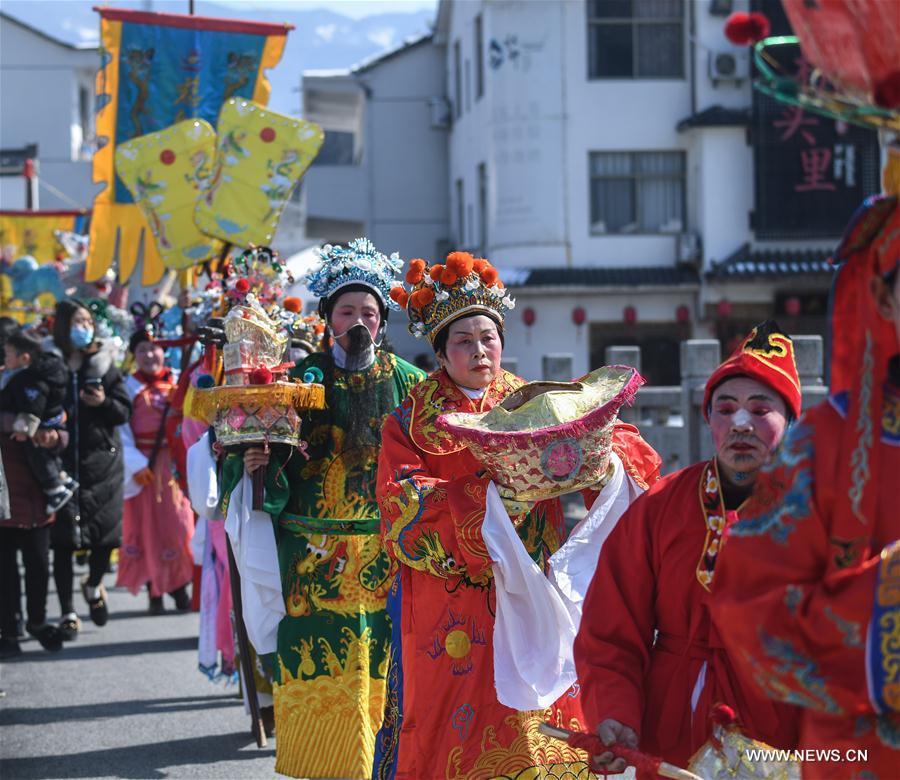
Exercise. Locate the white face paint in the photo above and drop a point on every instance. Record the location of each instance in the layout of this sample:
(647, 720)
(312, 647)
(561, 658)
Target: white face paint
(741, 418)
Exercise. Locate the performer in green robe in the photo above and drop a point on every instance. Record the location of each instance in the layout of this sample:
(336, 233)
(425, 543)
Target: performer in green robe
(333, 641)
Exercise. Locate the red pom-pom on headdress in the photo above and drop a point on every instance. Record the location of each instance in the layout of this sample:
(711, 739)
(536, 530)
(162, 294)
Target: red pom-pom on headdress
(448, 278)
(479, 264)
(417, 264)
(460, 263)
(292, 304)
(490, 276)
(414, 276)
(436, 271)
(421, 298)
(242, 286)
(399, 296)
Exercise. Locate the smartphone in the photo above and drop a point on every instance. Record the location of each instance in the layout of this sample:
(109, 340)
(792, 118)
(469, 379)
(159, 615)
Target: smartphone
(93, 384)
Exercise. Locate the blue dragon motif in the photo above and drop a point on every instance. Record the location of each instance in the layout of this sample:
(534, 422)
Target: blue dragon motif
(779, 521)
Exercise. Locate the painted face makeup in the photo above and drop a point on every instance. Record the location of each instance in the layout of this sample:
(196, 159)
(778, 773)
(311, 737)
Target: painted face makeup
(747, 420)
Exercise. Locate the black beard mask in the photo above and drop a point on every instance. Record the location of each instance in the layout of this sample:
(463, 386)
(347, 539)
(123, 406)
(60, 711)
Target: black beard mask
(360, 340)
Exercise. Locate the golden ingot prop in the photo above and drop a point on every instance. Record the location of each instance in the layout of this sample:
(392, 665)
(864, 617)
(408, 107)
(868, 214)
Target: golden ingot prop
(257, 414)
(165, 173)
(260, 157)
(548, 438)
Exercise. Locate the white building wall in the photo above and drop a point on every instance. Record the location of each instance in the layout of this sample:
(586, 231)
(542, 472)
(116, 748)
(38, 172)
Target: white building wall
(399, 188)
(407, 155)
(39, 103)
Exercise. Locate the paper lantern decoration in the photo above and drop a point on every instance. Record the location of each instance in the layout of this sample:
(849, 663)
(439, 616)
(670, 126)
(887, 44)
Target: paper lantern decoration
(629, 315)
(723, 308)
(579, 315)
(683, 314)
(529, 316)
(260, 157)
(165, 173)
(793, 306)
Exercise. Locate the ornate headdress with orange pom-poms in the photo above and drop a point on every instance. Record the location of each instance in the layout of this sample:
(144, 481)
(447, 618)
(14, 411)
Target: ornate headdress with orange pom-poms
(440, 294)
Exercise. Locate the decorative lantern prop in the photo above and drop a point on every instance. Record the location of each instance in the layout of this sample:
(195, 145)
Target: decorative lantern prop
(723, 308)
(629, 315)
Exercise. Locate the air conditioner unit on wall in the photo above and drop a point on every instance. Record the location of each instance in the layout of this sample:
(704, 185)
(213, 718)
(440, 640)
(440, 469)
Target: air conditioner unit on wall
(729, 66)
(687, 248)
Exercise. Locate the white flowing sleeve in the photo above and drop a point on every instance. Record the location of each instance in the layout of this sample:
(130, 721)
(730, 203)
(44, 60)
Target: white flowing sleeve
(253, 540)
(135, 460)
(528, 675)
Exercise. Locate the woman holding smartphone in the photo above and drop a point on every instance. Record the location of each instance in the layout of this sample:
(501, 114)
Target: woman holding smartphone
(96, 404)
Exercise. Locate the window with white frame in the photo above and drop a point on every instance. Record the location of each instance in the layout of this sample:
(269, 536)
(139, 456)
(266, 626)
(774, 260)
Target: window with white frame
(635, 39)
(637, 192)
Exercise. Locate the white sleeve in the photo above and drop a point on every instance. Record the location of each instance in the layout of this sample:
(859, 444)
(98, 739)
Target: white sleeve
(253, 540)
(135, 460)
(202, 478)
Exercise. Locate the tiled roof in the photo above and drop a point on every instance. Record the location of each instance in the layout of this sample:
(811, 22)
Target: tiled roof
(769, 263)
(716, 116)
(658, 276)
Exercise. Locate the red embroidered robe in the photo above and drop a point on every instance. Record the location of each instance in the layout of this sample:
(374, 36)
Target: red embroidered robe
(653, 580)
(432, 505)
(808, 598)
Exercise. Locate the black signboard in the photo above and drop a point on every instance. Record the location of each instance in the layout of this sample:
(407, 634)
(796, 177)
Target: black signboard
(811, 172)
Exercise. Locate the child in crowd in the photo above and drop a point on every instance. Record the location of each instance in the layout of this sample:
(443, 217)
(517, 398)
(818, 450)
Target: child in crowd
(33, 387)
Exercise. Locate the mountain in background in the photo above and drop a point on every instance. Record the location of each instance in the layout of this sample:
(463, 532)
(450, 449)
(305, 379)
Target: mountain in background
(323, 39)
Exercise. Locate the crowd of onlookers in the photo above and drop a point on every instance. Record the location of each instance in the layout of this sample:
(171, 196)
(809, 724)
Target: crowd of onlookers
(62, 398)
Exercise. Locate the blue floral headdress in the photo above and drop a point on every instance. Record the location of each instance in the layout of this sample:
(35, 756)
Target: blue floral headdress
(358, 263)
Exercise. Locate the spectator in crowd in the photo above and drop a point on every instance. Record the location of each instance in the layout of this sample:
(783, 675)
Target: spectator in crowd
(96, 404)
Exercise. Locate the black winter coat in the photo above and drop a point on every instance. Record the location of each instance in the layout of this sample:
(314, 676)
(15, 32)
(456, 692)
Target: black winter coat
(94, 457)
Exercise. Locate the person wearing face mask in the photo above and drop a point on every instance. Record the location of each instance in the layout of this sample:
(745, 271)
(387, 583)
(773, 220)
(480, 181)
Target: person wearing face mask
(158, 521)
(443, 717)
(96, 404)
(332, 644)
(651, 663)
(808, 597)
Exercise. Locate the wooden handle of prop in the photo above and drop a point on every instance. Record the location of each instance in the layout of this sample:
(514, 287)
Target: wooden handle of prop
(665, 769)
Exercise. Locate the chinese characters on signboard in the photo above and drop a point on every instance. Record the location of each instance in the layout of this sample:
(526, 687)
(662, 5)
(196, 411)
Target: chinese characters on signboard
(811, 172)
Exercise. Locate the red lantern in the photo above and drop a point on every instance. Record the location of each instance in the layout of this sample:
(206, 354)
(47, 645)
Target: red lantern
(579, 315)
(793, 306)
(629, 314)
(529, 315)
(683, 314)
(723, 308)
(28, 168)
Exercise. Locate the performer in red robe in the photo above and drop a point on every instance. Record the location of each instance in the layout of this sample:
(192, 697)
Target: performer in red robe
(650, 663)
(443, 718)
(808, 596)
